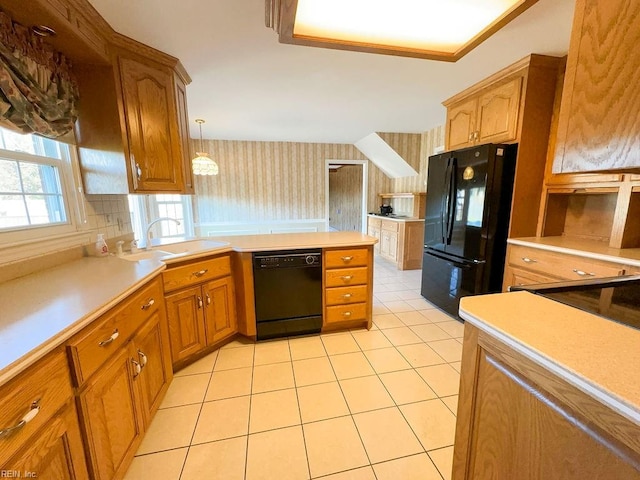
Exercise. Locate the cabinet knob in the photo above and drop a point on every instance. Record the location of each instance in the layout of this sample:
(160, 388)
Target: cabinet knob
(199, 302)
(347, 295)
(471, 136)
(347, 259)
(137, 368)
(346, 278)
(148, 305)
(582, 273)
(143, 359)
(208, 299)
(30, 415)
(346, 314)
(113, 336)
(529, 260)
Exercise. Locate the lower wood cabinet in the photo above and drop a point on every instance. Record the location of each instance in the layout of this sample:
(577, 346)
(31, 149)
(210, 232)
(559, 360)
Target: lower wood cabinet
(201, 307)
(348, 282)
(118, 399)
(49, 444)
(516, 420)
(400, 241)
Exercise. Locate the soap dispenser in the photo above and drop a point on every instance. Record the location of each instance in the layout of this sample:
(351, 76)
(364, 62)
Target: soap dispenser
(101, 246)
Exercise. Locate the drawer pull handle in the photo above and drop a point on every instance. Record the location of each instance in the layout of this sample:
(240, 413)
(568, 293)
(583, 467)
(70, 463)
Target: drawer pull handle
(529, 260)
(137, 368)
(346, 314)
(347, 259)
(148, 305)
(199, 302)
(143, 359)
(31, 414)
(113, 336)
(582, 273)
(200, 273)
(208, 299)
(346, 277)
(347, 295)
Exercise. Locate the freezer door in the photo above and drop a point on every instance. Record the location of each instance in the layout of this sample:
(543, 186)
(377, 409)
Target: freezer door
(445, 281)
(466, 213)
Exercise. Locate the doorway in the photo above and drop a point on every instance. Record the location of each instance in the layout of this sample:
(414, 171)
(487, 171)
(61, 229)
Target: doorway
(346, 195)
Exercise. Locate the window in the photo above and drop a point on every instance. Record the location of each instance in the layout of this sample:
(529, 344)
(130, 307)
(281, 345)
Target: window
(146, 208)
(36, 187)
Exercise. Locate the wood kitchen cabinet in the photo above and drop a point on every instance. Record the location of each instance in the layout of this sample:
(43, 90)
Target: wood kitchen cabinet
(152, 127)
(490, 116)
(598, 127)
(49, 444)
(400, 241)
(348, 281)
(517, 419)
(122, 370)
(515, 105)
(201, 306)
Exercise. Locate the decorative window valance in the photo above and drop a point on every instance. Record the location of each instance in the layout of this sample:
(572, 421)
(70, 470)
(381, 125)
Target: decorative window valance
(38, 93)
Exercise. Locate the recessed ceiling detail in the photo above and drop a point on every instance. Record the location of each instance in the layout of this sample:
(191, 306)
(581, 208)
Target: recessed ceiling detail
(433, 29)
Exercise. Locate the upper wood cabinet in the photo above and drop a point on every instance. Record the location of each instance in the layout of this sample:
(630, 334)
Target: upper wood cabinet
(490, 116)
(599, 128)
(515, 105)
(151, 127)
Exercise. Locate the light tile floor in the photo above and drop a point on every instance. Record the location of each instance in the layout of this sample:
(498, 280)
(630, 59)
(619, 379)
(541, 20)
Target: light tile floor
(355, 405)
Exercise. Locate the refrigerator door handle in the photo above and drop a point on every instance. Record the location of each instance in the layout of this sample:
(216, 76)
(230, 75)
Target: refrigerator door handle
(444, 206)
(451, 210)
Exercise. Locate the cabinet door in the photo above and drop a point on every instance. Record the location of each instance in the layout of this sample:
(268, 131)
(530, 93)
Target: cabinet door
(461, 124)
(375, 232)
(598, 128)
(385, 243)
(185, 311)
(498, 109)
(151, 345)
(220, 314)
(393, 246)
(112, 419)
(55, 452)
(183, 130)
(152, 131)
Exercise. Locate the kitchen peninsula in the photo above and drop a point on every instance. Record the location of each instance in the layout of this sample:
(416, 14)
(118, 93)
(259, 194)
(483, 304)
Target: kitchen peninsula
(547, 391)
(87, 346)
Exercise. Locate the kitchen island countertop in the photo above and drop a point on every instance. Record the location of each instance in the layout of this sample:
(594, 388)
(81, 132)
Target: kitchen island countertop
(594, 354)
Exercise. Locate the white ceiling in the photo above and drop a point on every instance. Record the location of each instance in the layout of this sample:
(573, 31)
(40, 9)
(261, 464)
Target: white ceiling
(247, 86)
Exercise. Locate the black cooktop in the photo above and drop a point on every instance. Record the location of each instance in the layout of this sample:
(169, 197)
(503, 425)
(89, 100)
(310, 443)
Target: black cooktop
(615, 298)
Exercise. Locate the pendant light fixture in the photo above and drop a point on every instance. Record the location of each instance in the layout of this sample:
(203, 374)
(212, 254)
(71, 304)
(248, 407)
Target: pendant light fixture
(202, 164)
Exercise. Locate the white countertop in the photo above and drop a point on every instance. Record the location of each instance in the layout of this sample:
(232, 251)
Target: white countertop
(582, 248)
(291, 241)
(598, 356)
(42, 310)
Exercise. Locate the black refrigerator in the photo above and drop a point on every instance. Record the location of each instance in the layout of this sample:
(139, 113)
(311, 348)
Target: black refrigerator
(466, 223)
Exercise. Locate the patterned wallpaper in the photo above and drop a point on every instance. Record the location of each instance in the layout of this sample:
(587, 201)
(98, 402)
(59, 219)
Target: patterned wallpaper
(272, 181)
(345, 194)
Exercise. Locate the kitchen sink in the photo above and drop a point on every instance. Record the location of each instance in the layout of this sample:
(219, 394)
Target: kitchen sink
(145, 255)
(191, 246)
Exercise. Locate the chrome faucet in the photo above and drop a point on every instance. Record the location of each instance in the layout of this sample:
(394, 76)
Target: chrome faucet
(148, 232)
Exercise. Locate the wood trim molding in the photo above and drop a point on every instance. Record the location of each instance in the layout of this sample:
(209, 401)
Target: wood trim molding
(280, 15)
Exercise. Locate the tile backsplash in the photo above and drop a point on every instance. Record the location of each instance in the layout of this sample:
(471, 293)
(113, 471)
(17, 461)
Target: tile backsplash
(109, 214)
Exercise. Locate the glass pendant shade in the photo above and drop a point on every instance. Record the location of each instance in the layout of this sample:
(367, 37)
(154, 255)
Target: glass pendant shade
(202, 164)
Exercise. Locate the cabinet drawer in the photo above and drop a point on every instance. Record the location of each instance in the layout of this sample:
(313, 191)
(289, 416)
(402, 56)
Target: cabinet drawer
(390, 226)
(95, 344)
(341, 277)
(353, 257)
(344, 295)
(374, 222)
(518, 277)
(346, 313)
(197, 272)
(556, 264)
(48, 383)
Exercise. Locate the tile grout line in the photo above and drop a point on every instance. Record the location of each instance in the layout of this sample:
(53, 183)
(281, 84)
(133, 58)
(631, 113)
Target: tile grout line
(295, 389)
(246, 450)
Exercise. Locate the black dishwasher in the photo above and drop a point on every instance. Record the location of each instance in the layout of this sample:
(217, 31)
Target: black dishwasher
(288, 292)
